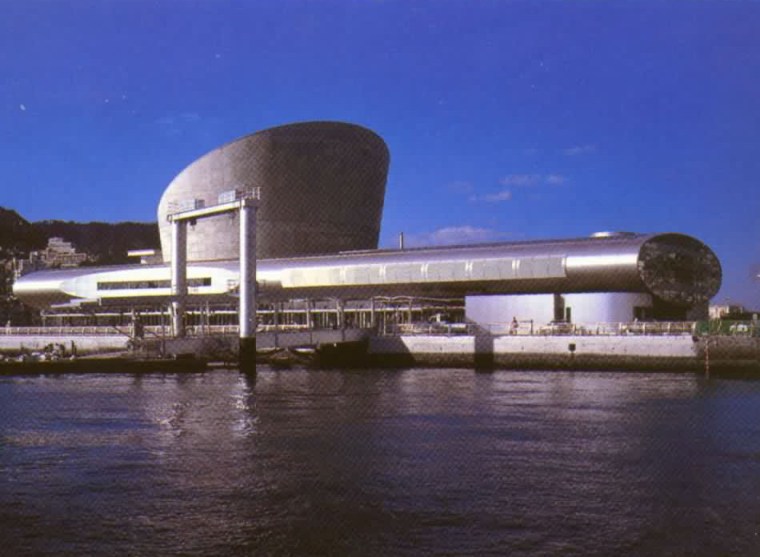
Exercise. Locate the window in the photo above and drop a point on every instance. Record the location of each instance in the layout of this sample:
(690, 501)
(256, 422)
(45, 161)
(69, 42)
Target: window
(148, 284)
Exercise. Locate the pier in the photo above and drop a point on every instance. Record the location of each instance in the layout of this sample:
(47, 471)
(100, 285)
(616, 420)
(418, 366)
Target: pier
(666, 346)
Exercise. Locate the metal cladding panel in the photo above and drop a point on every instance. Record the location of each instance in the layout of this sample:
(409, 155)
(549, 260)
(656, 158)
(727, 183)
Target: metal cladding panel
(357, 275)
(674, 268)
(322, 191)
(404, 273)
(104, 284)
(493, 269)
(606, 307)
(447, 271)
(540, 268)
(626, 263)
(361, 274)
(586, 308)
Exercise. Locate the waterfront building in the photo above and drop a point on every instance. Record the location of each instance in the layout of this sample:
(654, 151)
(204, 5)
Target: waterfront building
(322, 191)
(322, 186)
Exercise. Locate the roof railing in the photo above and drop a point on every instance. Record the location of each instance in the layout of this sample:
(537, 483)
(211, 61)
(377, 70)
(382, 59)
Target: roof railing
(225, 197)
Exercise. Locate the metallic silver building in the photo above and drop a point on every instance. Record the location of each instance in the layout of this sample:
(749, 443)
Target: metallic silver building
(673, 273)
(322, 187)
(322, 191)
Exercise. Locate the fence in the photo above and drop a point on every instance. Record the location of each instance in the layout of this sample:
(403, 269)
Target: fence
(149, 330)
(530, 328)
(694, 328)
(63, 331)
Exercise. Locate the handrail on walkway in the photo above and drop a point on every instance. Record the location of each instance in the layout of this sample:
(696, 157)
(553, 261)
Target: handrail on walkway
(519, 328)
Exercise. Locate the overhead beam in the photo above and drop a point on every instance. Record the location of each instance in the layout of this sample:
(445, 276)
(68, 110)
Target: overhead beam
(246, 204)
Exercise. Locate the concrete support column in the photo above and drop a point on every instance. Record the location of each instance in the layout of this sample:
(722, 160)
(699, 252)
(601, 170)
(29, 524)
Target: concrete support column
(309, 320)
(179, 276)
(247, 310)
(372, 322)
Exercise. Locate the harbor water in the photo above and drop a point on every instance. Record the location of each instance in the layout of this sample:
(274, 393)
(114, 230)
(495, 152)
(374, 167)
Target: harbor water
(405, 462)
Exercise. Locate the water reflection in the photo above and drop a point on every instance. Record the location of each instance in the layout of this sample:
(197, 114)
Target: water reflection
(380, 462)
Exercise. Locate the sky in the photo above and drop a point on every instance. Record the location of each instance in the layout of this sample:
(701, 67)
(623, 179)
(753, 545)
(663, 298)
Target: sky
(506, 120)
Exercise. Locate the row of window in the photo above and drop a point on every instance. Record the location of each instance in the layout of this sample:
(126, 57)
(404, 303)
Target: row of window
(147, 284)
(434, 271)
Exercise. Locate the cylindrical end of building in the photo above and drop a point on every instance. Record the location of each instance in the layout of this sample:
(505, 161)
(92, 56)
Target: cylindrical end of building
(679, 269)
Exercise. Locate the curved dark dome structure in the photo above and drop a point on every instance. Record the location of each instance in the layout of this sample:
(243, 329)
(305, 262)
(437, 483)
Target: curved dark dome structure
(322, 190)
(679, 269)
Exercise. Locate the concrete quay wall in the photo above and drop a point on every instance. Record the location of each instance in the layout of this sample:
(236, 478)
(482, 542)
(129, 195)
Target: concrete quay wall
(85, 344)
(641, 353)
(738, 352)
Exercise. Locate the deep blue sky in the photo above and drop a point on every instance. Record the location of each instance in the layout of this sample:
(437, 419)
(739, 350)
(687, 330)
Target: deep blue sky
(505, 120)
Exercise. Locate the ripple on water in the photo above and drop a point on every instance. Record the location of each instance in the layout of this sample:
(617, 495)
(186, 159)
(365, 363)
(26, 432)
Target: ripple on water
(380, 462)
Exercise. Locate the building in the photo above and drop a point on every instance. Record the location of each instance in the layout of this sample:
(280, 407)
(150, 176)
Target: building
(60, 253)
(322, 187)
(726, 311)
(322, 191)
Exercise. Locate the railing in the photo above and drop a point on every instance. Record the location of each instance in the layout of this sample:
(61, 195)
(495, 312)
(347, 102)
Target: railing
(730, 327)
(530, 328)
(215, 330)
(64, 331)
(193, 204)
(595, 329)
(148, 330)
(432, 329)
(522, 328)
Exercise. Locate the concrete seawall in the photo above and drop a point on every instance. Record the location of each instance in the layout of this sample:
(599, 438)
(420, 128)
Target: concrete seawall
(582, 352)
(741, 353)
(85, 344)
(644, 353)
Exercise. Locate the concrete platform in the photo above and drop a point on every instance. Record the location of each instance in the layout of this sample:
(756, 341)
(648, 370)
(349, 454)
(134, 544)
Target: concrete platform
(636, 353)
(83, 344)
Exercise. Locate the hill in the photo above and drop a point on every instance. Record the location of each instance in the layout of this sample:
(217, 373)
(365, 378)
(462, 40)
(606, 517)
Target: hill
(107, 243)
(17, 235)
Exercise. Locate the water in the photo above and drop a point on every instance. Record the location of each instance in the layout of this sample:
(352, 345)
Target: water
(413, 462)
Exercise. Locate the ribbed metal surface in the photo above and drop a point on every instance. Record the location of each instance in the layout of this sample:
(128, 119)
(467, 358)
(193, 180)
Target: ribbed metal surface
(674, 267)
(322, 190)
(677, 269)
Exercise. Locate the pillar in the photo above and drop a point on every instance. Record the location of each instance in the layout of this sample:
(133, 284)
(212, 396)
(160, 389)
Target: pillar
(247, 309)
(179, 276)
(341, 313)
